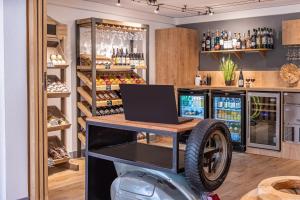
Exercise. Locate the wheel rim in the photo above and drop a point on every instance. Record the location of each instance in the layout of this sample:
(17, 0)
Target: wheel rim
(215, 155)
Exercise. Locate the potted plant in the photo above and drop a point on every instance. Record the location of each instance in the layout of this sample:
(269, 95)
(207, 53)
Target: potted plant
(228, 67)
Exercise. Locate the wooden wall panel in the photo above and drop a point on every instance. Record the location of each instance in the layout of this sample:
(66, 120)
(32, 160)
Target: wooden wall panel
(290, 32)
(177, 56)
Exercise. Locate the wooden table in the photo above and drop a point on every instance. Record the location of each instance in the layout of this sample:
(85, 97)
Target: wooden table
(113, 139)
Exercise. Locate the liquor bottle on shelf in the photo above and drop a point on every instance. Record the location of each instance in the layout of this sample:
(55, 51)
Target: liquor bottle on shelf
(127, 58)
(217, 44)
(264, 38)
(212, 42)
(259, 39)
(203, 42)
(239, 42)
(234, 41)
(230, 42)
(241, 79)
(244, 41)
(142, 60)
(271, 39)
(117, 59)
(208, 42)
(121, 57)
(113, 57)
(222, 40)
(253, 40)
(248, 40)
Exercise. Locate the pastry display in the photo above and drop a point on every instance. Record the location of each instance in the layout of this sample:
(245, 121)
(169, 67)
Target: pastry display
(55, 118)
(55, 86)
(57, 59)
(56, 150)
(85, 60)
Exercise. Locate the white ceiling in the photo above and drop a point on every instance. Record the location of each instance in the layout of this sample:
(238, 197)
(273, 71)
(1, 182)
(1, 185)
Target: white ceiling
(172, 8)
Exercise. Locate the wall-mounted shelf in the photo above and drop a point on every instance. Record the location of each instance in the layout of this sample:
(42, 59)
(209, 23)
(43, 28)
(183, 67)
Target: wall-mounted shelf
(55, 113)
(111, 68)
(237, 52)
(58, 94)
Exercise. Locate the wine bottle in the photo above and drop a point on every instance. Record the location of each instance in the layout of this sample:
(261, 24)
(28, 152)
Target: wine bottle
(113, 57)
(203, 42)
(208, 42)
(241, 79)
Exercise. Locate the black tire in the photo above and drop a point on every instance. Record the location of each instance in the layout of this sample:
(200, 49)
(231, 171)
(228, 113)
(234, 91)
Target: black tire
(194, 156)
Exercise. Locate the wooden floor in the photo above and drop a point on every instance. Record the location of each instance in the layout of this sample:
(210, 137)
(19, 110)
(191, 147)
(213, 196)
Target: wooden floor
(245, 173)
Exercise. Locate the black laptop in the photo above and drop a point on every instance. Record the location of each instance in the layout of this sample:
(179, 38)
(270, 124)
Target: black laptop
(150, 103)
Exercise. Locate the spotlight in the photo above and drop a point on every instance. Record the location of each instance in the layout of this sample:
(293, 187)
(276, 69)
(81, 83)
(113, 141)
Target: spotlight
(118, 3)
(156, 11)
(209, 11)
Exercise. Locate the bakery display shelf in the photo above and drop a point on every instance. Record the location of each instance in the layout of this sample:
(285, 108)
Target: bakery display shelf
(60, 161)
(99, 103)
(52, 41)
(58, 94)
(81, 121)
(55, 114)
(111, 67)
(82, 138)
(51, 66)
(88, 83)
(84, 108)
(98, 57)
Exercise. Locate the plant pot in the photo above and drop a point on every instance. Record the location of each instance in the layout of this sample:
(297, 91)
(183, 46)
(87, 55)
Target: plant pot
(229, 83)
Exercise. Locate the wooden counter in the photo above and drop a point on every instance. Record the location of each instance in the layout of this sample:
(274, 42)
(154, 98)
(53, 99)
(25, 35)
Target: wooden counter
(235, 88)
(119, 120)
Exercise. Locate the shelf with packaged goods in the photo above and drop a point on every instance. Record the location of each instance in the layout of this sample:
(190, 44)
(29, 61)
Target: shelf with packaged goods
(58, 119)
(56, 88)
(110, 67)
(237, 52)
(83, 91)
(107, 87)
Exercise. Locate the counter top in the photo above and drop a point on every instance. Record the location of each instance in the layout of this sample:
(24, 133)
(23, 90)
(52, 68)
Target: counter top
(119, 120)
(235, 88)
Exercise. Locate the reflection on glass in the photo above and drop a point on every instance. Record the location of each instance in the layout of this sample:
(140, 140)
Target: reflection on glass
(192, 106)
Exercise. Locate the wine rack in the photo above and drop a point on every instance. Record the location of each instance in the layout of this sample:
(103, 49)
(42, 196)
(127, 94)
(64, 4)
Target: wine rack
(98, 75)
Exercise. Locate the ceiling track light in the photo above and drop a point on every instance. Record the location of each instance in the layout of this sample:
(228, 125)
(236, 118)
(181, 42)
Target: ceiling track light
(209, 11)
(184, 8)
(118, 3)
(156, 11)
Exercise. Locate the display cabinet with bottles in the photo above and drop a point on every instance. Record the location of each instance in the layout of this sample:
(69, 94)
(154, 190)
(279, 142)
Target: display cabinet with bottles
(108, 53)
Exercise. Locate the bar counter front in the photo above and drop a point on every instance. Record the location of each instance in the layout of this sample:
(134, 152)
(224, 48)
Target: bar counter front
(113, 139)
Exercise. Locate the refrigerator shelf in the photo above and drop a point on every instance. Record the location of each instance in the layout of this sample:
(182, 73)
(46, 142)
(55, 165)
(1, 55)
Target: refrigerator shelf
(228, 120)
(230, 109)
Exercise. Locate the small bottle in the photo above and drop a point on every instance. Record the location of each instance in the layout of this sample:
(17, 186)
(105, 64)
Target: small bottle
(127, 59)
(203, 45)
(117, 60)
(113, 57)
(241, 79)
(208, 42)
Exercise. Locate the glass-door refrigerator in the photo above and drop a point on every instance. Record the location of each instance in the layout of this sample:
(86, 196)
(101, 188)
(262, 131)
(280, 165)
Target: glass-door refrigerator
(264, 119)
(230, 108)
(193, 103)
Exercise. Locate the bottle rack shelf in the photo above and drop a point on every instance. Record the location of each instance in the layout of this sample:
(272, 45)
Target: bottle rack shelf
(111, 67)
(99, 103)
(237, 52)
(108, 76)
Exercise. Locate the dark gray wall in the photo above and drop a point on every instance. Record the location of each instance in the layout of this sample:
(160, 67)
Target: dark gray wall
(251, 61)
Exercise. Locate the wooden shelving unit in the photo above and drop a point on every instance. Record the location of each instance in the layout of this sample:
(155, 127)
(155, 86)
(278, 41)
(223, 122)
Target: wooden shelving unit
(91, 66)
(237, 52)
(56, 39)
